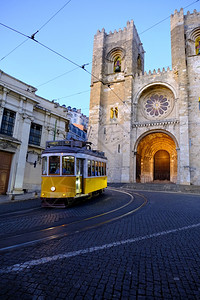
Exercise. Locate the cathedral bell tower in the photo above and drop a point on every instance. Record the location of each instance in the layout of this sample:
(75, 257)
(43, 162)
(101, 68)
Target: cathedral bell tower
(185, 43)
(117, 57)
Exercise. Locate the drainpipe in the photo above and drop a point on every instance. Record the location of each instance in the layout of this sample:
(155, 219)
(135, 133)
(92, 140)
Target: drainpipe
(54, 137)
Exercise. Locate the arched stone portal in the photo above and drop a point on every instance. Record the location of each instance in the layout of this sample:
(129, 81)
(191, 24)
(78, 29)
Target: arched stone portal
(156, 158)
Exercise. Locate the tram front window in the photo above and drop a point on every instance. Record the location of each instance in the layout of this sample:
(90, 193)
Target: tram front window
(68, 165)
(54, 165)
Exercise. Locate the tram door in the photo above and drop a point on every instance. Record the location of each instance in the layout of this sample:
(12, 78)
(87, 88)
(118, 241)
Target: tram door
(79, 176)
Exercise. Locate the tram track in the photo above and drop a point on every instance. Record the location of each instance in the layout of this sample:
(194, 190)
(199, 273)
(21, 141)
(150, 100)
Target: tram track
(19, 213)
(66, 229)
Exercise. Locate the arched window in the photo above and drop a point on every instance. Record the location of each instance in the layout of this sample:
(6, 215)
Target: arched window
(115, 60)
(117, 64)
(197, 45)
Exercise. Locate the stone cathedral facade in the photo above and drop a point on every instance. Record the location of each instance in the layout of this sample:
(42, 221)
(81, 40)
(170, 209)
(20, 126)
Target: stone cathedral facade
(148, 124)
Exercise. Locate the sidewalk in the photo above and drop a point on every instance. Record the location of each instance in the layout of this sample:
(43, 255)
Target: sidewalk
(159, 187)
(21, 197)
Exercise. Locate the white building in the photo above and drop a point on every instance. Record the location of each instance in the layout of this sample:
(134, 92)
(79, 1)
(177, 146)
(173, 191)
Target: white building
(27, 121)
(77, 117)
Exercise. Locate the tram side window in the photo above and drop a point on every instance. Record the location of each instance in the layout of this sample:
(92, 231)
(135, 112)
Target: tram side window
(44, 165)
(68, 165)
(93, 168)
(102, 169)
(54, 165)
(96, 168)
(89, 168)
(100, 172)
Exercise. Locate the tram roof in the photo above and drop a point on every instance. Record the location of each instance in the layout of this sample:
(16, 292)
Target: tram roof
(72, 146)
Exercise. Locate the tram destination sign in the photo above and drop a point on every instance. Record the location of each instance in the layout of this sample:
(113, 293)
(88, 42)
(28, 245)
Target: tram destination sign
(62, 143)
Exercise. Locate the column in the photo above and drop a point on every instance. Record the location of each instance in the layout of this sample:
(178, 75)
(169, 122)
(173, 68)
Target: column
(21, 162)
(2, 103)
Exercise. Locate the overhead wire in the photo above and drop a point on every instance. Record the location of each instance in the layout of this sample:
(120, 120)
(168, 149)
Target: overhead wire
(13, 50)
(69, 60)
(50, 80)
(33, 35)
(164, 19)
(68, 96)
(54, 15)
(83, 66)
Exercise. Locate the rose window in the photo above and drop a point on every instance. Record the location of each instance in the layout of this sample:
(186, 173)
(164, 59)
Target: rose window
(156, 105)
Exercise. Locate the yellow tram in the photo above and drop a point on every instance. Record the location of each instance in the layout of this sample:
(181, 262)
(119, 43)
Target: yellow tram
(70, 169)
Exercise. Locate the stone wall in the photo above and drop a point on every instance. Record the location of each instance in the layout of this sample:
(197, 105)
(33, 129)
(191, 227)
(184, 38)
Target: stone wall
(162, 102)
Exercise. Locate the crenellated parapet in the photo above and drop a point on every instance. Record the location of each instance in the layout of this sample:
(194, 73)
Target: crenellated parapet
(127, 32)
(157, 73)
(189, 16)
(129, 27)
(177, 13)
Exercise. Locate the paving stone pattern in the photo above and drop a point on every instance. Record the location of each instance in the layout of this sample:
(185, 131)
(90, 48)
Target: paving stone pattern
(165, 266)
(43, 217)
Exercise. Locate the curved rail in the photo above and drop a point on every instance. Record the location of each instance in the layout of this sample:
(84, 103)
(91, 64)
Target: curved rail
(54, 232)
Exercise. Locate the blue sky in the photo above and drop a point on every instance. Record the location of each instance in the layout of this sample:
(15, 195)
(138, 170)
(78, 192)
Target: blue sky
(71, 33)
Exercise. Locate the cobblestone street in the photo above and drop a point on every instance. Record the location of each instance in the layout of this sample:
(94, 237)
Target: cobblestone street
(152, 253)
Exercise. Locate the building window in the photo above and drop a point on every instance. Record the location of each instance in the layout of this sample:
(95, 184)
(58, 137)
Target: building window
(8, 122)
(35, 134)
(67, 126)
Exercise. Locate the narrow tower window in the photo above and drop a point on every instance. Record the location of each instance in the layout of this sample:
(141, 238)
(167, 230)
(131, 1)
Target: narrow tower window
(197, 45)
(111, 113)
(139, 63)
(116, 112)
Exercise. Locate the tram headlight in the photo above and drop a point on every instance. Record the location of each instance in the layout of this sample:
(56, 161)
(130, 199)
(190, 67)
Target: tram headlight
(53, 188)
